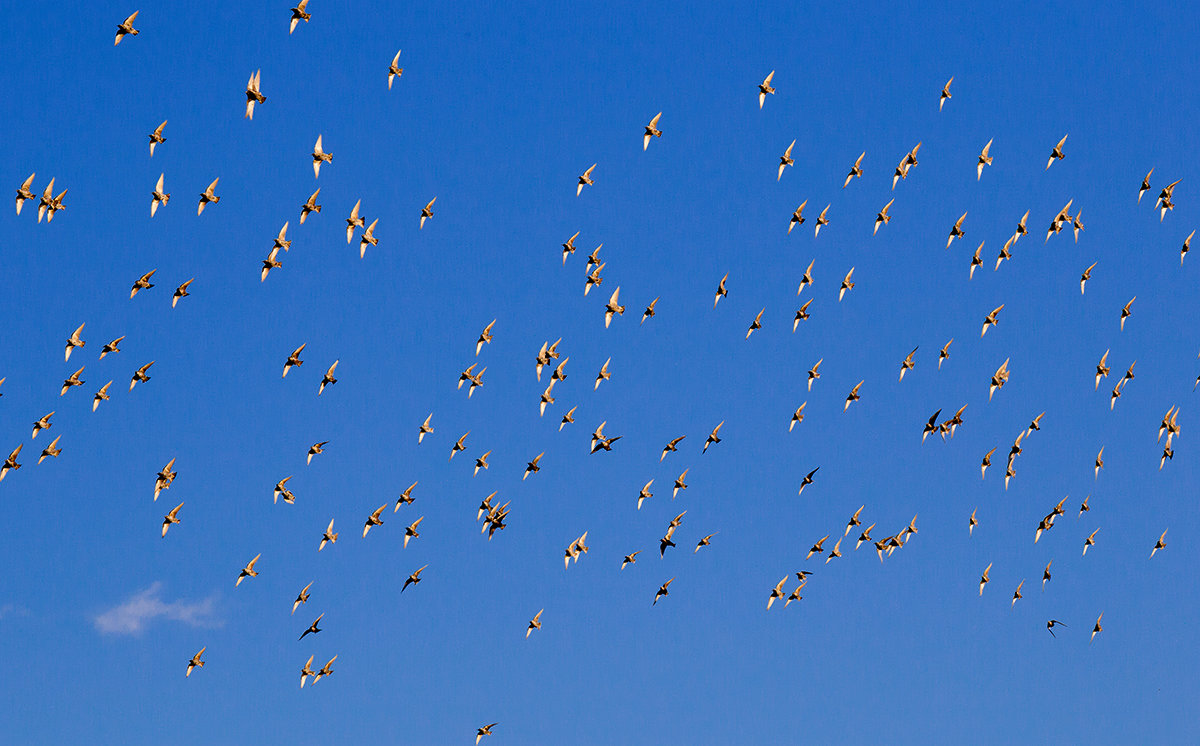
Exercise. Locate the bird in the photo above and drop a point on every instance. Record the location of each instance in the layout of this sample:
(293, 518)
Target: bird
(427, 212)
(170, 518)
(1087, 275)
(298, 15)
(487, 729)
(1160, 544)
(662, 591)
(568, 418)
(142, 283)
(24, 192)
(712, 437)
(156, 138)
(1046, 576)
(248, 571)
(1145, 185)
(847, 284)
(294, 359)
(853, 395)
(1164, 198)
(1097, 629)
(328, 378)
(585, 179)
(756, 324)
(316, 449)
(984, 160)
(999, 378)
(972, 524)
(983, 579)
(394, 71)
(181, 292)
(907, 364)
(319, 156)
(459, 445)
(987, 461)
(158, 196)
(1187, 244)
(374, 519)
(253, 94)
(1102, 369)
(1126, 313)
(1017, 593)
(613, 307)
(801, 315)
(301, 598)
(855, 170)
(329, 537)
(125, 28)
(481, 462)
(945, 353)
(367, 239)
(281, 490)
(671, 447)
(882, 217)
(603, 375)
(164, 478)
(679, 483)
(326, 670)
(797, 416)
(817, 548)
(649, 311)
(413, 579)
(10, 463)
(721, 291)
(195, 661)
(776, 592)
(1050, 625)
(991, 319)
(207, 196)
(665, 542)
(797, 217)
(645, 494)
(1099, 462)
(835, 552)
(485, 337)
(1057, 153)
(312, 628)
(1077, 225)
(652, 130)
(945, 93)
(785, 160)
(706, 541)
(74, 341)
(864, 536)
(956, 232)
(630, 559)
(808, 479)
(1089, 542)
(354, 221)
(814, 373)
(310, 206)
(764, 88)
(50, 204)
(406, 497)
(931, 426)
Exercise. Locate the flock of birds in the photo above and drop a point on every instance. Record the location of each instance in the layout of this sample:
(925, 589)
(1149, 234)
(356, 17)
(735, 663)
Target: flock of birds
(493, 516)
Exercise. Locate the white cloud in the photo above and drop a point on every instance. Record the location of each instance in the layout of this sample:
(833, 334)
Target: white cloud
(146, 606)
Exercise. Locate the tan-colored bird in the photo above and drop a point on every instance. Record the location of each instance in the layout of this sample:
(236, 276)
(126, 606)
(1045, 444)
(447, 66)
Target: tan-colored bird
(671, 447)
(156, 137)
(679, 483)
(835, 552)
(140, 376)
(1089, 542)
(319, 156)
(945, 353)
(459, 445)
(847, 284)
(984, 160)
(164, 478)
(855, 170)
(613, 307)
(816, 548)
(1087, 275)
(481, 462)
(764, 88)
(907, 364)
(10, 463)
(248, 571)
(315, 449)
(785, 160)
(485, 337)
(1187, 245)
(1097, 629)
(406, 497)
(645, 494)
(169, 518)
(972, 524)
(864, 536)
(328, 378)
(49, 204)
(814, 373)
(956, 231)
(270, 263)
(294, 359)
(307, 671)
(310, 206)
(807, 279)
(181, 292)
(298, 15)
(821, 220)
(374, 519)
(532, 467)
(1164, 199)
(195, 661)
(143, 283)
(158, 196)
(882, 216)
(991, 319)
(1145, 185)
(427, 212)
(1099, 462)
(797, 416)
(425, 428)
(329, 537)
(208, 195)
(1160, 544)
(808, 479)
(254, 94)
(410, 531)
(585, 179)
(354, 221)
(984, 580)
(51, 451)
(368, 239)
(302, 598)
(1057, 153)
(326, 670)
(101, 395)
(1126, 312)
(852, 396)
(24, 192)
(776, 592)
(1102, 369)
(126, 27)
(945, 93)
(630, 559)
(1017, 594)
(74, 341)
(706, 541)
(603, 375)
(756, 324)
(393, 70)
(649, 311)
(652, 130)
(593, 278)
(1077, 224)
(797, 217)
(801, 315)
(568, 418)
(721, 291)
(713, 438)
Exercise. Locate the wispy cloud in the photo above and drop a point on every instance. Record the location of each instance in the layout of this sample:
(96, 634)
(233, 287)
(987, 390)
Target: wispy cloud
(12, 611)
(147, 606)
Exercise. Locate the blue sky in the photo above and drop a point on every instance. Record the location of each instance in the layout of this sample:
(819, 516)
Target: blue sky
(499, 110)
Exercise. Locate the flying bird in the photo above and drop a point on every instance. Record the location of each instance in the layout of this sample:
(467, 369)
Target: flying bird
(855, 170)
(984, 160)
(253, 94)
(393, 70)
(310, 206)
(125, 28)
(298, 15)
(312, 628)
(319, 156)
(248, 571)
(652, 130)
(785, 160)
(585, 179)
(427, 212)
(1057, 153)
(945, 93)
(158, 196)
(712, 437)
(764, 88)
(208, 195)
(195, 661)
(329, 537)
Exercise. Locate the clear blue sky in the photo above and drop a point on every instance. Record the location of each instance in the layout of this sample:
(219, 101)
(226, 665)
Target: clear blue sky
(499, 110)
